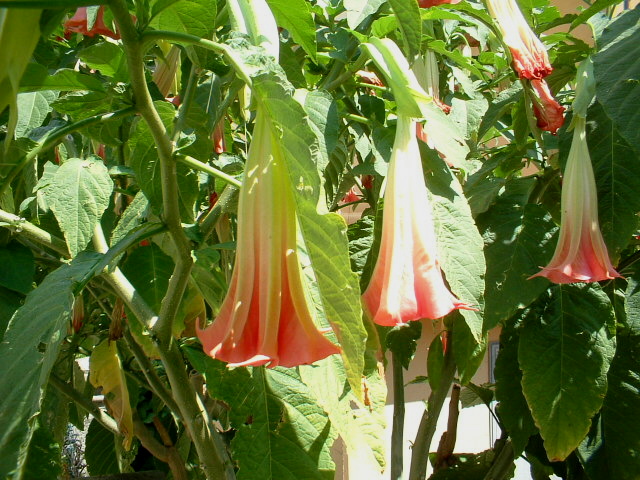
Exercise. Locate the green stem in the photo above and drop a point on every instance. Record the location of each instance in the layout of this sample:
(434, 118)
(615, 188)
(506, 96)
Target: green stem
(27, 229)
(150, 374)
(167, 454)
(54, 136)
(429, 420)
(203, 167)
(503, 462)
(87, 405)
(358, 119)
(229, 195)
(397, 433)
(133, 46)
(185, 38)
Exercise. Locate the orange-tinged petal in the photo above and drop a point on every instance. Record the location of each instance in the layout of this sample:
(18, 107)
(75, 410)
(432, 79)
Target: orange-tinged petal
(265, 317)
(548, 112)
(407, 282)
(78, 24)
(529, 55)
(581, 254)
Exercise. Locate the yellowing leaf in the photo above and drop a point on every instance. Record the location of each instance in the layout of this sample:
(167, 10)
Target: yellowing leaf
(106, 372)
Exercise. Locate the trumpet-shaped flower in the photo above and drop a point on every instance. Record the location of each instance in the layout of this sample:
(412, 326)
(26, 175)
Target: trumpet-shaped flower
(78, 24)
(407, 282)
(529, 55)
(549, 113)
(265, 317)
(581, 255)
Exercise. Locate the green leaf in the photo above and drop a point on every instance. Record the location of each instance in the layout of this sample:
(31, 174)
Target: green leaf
(281, 431)
(358, 10)
(512, 407)
(209, 278)
(79, 194)
(408, 15)
(361, 429)
(132, 217)
(9, 303)
(632, 305)
(18, 267)
(196, 17)
(100, 451)
(324, 235)
(464, 268)
(565, 352)
(616, 167)
(28, 350)
(33, 109)
(435, 362)
(43, 456)
(325, 122)
(149, 269)
(594, 8)
(520, 238)
(621, 410)
(295, 16)
(402, 340)
(145, 162)
(618, 79)
(468, 350)
(106, 57)
(37, 78)
(498, 107)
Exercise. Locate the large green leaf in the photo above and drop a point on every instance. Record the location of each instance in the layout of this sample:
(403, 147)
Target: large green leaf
(295, 16)
(196, 17)
(100, 451)
(464, 268)
(149, 270)
(281, 431)
(512, 407)
(324, 235)
(18, 267)
(78, 193)
(33, 109)
(520, 238)
(28, 351)
(37, 78)
(410, 23)
(565, 352)
(618, 77)
(359, 10)
(621, 410)
(617, 170)
(145, 162)
(108, 58)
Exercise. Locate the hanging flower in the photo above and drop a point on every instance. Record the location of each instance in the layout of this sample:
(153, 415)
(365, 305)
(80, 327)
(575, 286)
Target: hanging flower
(78, 24)
(426, 70)
(529, 55)
(166, 75)
(266, 317)
(581, 255)
(407, 281)
(548, 111)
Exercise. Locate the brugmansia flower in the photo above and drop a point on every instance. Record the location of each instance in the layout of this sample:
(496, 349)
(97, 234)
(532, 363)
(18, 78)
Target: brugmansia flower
(548, 112)
(266, 317)
(426, 70)
(581, 255)
(529, 55)
(407, 281)
(78, 24)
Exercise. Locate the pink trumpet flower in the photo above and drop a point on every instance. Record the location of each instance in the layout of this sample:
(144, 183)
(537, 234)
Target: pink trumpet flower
(407, 281)
(548, 111)
(581, 254)
(266, 317)
(78, 24)
(529, 55)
